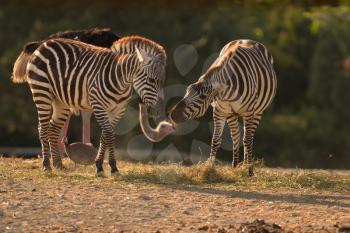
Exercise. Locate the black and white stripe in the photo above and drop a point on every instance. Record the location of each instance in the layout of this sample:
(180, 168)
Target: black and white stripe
(240, 83)
(67, 76)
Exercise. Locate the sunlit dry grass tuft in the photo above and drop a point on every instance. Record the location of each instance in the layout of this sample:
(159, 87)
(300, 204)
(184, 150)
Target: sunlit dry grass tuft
(205, 173)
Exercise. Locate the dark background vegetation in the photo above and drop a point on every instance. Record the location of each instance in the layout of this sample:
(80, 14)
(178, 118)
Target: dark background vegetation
(308, 123)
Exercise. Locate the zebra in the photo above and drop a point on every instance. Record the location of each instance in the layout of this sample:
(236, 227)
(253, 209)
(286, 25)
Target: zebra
(102, 37)
(66, 76)
(240, 83)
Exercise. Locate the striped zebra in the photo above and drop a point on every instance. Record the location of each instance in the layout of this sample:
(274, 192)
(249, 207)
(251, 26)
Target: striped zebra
(102, 37)
(240, 83)
(67, 76)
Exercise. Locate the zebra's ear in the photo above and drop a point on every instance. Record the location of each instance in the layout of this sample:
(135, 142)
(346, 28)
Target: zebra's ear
(217, 85)
(142, 55)
(139, 55)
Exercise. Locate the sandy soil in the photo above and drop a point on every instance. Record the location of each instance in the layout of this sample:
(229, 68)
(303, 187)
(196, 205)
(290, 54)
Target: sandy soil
(118, 206)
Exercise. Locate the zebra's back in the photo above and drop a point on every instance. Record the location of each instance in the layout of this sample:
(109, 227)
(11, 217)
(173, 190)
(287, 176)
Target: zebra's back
(249, 75)
(63, 69)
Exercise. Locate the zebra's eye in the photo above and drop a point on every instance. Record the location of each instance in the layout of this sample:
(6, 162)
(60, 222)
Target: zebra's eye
(205, 89)
(190, 105)
(152, 79)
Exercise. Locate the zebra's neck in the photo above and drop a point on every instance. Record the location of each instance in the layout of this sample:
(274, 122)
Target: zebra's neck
(115, 79)
(121, 67)
(129, 44)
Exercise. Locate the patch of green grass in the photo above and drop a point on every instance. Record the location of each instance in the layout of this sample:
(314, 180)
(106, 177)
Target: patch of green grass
(205, 173)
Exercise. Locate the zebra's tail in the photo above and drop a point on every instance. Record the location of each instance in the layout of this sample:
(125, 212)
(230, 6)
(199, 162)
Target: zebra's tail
(19, 74)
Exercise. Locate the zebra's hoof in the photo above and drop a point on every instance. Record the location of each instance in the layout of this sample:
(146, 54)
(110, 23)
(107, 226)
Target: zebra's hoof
(187, 163)
(114, 168)
(59, 165)
(46, 165)
(115, 173)
(250, 171)
(214, 161)
(100, 174)
(47, 169)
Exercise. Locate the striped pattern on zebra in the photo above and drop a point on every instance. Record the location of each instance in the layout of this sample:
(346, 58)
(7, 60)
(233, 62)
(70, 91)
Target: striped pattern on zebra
(240, 83)
(67, 76)
(102, 37)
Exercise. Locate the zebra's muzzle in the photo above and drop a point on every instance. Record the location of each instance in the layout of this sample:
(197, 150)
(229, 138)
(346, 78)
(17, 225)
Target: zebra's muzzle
(157, 110)
(176, 114)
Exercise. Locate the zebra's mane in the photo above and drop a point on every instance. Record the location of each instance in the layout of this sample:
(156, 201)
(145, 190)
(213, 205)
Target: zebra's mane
(218, 63)
(81, 45)
(127, 44)
(228, 52)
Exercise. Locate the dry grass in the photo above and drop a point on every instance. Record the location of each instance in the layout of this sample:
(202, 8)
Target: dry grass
(209, 174)
(202, 174)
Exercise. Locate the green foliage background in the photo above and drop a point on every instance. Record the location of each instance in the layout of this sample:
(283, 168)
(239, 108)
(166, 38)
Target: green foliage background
(307, 125)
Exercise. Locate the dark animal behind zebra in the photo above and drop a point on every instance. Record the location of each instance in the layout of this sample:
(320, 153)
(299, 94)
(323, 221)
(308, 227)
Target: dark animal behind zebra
(67, 75)
(240, 83)
(102, 37)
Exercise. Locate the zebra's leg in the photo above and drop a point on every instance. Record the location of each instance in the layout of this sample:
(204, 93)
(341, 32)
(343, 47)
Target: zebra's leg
(251, 122)
(58, 119)
(106, 141)
(62, 136)
(115, 117)
(235, 136)
(219, 124)
(44, 115)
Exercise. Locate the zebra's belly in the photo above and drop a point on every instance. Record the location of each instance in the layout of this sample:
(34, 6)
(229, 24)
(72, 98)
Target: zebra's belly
(75, 103)
(75, 109)
(244, 106)
(231, 107)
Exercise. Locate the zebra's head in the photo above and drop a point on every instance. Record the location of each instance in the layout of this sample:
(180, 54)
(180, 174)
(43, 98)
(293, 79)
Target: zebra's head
(149, 81)
(196, 101)
(201, 94)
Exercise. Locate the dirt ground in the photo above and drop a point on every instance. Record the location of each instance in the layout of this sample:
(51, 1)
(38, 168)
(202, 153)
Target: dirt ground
(77, 204)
